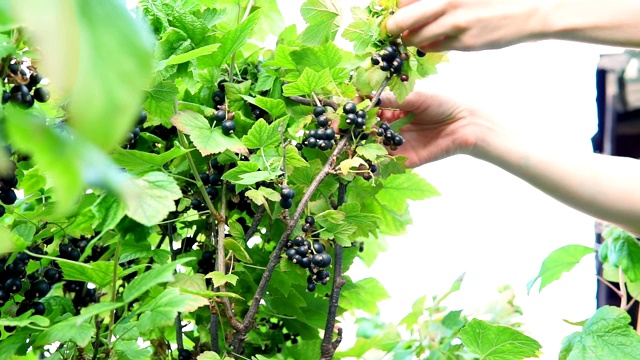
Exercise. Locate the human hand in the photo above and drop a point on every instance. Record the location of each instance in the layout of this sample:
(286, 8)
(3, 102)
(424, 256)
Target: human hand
(441, 127)
(439, 25)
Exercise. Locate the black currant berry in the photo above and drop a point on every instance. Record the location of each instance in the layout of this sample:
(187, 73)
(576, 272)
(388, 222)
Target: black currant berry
(367, 176)
(322, 120)
(404, 56)
(311, 287)
(397, 140)
(318, 110)
(212, 191)
(302, 250)
(291, 253)
(2, 211)
(6, 96)
(8, 197)
(34, 79)
(23, 258)
(361, 114)
(351, 119)
(324, 145)
(375, 59)
(286, 203)
(142, 118)
(287, 193)
(299, 146)
(41, 94)
(218, 98)
(385, 66)
(318, 248)
(13, 285)
(51, 275)
(40, 288)
(310, 220)
(74, 255)
(385, 126)
(228, 127)
(305, 228)
(38, 308)
(184, 354)
(389, 53)
(298, 241)
(360, 123)
(420, 53)
(204, 177)
(349, 108)
(4, 297)
(404, 77)
(220, 115)
(14, 68)
(305, 263)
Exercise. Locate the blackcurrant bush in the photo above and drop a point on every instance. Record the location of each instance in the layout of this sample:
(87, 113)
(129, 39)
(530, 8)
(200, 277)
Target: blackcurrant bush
(13, 285)
(310, 220)
(349, 108)
(218, 98)
(286, 203)
(220, 115)
(420, 53)
(41, 94)
(318, 110)
(184, 354)
(228, 127)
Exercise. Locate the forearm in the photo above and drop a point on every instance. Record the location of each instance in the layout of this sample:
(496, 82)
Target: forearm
(605, 187)
(610, 22)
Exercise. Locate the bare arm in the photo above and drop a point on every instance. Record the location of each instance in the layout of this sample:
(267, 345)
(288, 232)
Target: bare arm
(605, 187)
(438, 25)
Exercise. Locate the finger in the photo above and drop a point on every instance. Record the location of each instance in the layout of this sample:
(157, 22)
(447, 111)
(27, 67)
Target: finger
(388, 100)
(415, 15)
(437, 30)
(444, 44)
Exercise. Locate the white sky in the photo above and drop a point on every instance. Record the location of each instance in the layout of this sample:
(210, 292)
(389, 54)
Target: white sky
(487, 223)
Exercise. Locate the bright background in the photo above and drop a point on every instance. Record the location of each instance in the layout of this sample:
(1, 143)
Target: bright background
(488, 223)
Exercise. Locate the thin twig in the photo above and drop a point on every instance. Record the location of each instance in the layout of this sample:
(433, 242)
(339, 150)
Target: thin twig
(329, 346)
(610, 285)
(114, 292)
(623, 288)
(378, 93)
(96, 342)
(305, 101)
(257, 218)
(179, 332)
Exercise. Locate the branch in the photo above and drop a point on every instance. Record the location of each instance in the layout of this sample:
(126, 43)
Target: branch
(213, 330)
(255, 223)
(305, 101)
(623, 288)
(239, 337)
(610, 285)
(329, 346)
(179, 332)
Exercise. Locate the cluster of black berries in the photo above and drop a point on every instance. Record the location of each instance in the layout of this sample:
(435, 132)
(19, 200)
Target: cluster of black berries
(354, 117)
(25, 90)
(322, 138)
(367, 171)
(286, 197)
(310, 255)
(390, 138)
(228, 125)
(390, 59)
(184, 354)
(8, 181)
(207, 262)
(13, 277)
(135, 133)
(211, 180)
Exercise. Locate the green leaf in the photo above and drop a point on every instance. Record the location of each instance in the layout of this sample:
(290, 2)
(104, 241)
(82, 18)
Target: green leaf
(141, 161)
(558, 262)
(25, 320)
(308, 82)
(235, 175)
(109, 210)
(399, 188)
(220, 278)
(206, 140)
(150, 198)
(208, 355)
(621, 249)
(363, 295)
(260, 196)
(160, 103)
(417, 309)
(233, 40)
(149, 279)
(213, 294)
(130, 350)
(341, 233)
(334, 216)
(275, 107)
(282, 58)
(98, 272)
(361, 30)
(162, 310)
(371, 151)
(606, 335)
(263, 135)
(323, 17)
(237, 249)
(110, 38)
(11, 242)
(498, 342)
(81, 334)
(190, 55)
